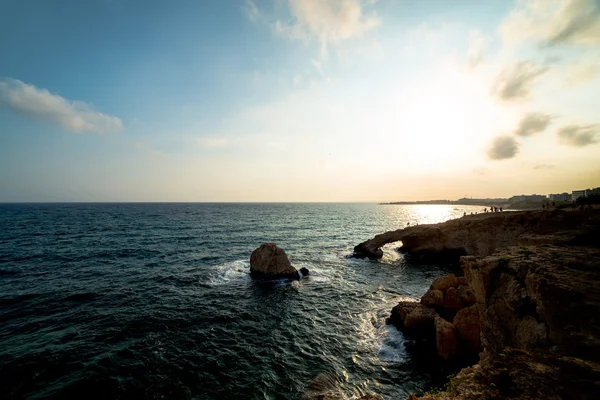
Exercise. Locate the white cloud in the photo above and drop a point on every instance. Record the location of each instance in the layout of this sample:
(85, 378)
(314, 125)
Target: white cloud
(503, 147)
(477, 45)
(582, 70)
(252, 11)
(211, 143)
(329, 22)
(553, 22)
(75, 116)
(516, 81)
(578, 135)
(533, 123)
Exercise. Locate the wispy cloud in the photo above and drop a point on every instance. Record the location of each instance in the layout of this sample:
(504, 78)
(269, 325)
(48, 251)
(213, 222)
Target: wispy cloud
(578, 135)
(544, 166)
(477, 45)
(251, 10)
(553, 22)
(503, 147)
(329, 22)
(533, 123)
(211, 143)
(74, 116)
(516, 81)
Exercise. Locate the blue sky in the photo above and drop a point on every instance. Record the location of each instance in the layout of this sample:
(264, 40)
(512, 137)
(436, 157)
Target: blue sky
(299, 100)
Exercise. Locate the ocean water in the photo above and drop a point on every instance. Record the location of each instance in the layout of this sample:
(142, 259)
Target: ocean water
(155, 301)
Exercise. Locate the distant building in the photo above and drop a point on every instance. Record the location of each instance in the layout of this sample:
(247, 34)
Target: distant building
(527, 197)
(593, 192)
(576, 194)
(560, 197)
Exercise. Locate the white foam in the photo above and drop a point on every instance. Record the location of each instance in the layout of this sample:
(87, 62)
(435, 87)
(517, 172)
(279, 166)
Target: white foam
(231, 272)
(392, 349)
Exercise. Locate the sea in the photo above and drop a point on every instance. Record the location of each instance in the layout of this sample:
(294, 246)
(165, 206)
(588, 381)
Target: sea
(155, 301)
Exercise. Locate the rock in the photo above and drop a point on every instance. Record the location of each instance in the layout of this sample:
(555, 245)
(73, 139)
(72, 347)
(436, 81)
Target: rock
(443, 283)
(451, 300)
(371, 396)
(465, 295)
(271, 262)
(535, 317)
(400, 312)
(462, 281)
(466, 325)
(481, 234)
(304, 271)
(445, 339)
(420, 319)
(433, 298)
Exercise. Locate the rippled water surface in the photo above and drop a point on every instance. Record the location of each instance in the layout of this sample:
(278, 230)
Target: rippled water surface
(155, 301)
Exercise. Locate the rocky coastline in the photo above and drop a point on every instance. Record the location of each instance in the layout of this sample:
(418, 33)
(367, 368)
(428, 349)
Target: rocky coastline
(525, 314)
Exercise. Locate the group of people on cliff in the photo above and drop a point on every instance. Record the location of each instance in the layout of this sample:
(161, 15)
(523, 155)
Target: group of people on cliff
(493, 209)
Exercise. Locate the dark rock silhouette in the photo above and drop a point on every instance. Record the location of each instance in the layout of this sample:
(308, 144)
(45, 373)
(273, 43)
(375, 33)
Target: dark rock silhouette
(270, 262)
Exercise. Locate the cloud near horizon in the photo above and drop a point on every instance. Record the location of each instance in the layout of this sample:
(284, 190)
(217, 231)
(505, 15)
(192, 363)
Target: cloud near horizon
(503, 147)
(532, 124)
(544, 166)
(515, 82)
(578, 135)
(329, 22)
(74, 116)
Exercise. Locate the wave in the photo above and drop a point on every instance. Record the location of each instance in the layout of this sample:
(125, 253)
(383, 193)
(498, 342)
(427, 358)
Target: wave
(234, 271)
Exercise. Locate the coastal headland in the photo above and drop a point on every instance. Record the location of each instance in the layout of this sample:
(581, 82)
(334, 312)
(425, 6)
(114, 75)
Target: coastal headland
(527, 307)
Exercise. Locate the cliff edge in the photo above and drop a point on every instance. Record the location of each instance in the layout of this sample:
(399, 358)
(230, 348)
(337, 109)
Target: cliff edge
(535, 278)
(481, 234)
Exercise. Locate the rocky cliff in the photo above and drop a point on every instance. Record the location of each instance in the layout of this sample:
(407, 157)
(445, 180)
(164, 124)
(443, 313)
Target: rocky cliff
(479, 234)
(536, 286)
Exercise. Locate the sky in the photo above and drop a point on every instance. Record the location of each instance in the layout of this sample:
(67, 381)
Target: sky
(297, 100)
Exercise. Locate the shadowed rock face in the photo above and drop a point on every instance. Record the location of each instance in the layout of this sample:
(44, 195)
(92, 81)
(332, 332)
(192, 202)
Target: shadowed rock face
(270, 262)
(536, 314)
(480, 234)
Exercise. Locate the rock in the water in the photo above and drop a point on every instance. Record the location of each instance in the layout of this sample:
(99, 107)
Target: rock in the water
(271, 262)
(451, 300)
(443, 283)
(445, 339)
(420, 319)
(433, 298)
(304, 271)
(400, 312)
(466, 324)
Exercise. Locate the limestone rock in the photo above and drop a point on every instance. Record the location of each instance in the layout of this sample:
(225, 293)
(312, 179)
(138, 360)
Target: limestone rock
(451, 300)
(481, 234)
(443, 283)
(445, 339)
(465, 295)
(270, 262)
(400, 311)
(420, 319)
(433, 298)
(304, 271)
(462, 281)
(466, 325)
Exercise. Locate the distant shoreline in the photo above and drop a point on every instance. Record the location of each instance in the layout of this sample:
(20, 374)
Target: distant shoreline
(445, 203)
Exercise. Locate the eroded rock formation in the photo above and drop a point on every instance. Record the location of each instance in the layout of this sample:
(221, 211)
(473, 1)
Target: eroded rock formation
(270, 262)
(478, 235)
(536, 315)
(444, 318)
